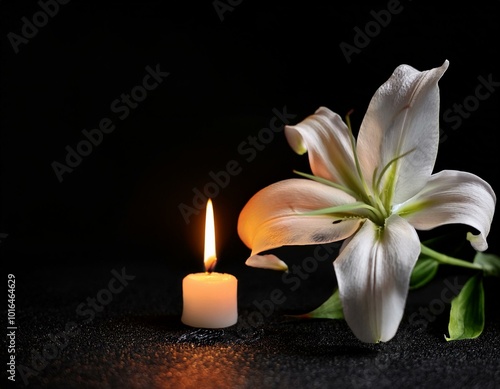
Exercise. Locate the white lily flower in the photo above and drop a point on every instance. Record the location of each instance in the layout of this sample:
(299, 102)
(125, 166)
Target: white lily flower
(373, 193)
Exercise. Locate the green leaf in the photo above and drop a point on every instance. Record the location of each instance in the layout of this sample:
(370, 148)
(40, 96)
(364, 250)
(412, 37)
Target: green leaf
(330, 309)
(467, 311)
(424, 271)
(489, 262)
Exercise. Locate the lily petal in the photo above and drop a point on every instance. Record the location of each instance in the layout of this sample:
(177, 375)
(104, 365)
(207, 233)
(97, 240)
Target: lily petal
(327, 140)
(267, 261)
(274, 216)
(373, 273)
(449, 197)
(402, 117)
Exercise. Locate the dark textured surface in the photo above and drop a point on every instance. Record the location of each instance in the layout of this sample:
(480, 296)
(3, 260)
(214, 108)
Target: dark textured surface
(156, 352)
(119, 207)
(138, 340)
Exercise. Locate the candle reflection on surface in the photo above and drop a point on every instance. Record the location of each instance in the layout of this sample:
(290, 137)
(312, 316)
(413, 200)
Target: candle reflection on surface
(209, 366)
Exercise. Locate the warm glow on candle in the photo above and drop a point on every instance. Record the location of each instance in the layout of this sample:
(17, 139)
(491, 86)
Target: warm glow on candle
(210, 254)
(209, 298)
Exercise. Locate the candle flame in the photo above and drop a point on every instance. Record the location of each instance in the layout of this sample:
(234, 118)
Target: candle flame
(210, 256)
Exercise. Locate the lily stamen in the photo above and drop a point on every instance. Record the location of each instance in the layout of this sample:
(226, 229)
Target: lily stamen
(379, 221)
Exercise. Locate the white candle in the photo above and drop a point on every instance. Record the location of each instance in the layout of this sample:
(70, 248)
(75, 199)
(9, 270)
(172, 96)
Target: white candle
(209, 298)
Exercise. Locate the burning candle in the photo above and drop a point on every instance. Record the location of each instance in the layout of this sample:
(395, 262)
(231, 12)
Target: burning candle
(209, 298)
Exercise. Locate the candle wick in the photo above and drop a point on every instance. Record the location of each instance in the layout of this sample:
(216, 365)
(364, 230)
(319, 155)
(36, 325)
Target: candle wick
(210, 264)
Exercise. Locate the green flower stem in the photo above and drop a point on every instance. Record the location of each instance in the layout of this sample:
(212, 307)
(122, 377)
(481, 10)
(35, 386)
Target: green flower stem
(446, 260)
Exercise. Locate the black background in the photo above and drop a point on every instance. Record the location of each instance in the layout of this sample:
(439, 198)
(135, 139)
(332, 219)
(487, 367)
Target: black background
(120, 205)
(225, 78)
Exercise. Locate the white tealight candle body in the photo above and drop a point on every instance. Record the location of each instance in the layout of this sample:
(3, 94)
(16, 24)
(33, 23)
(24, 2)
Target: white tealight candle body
(209, 300)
